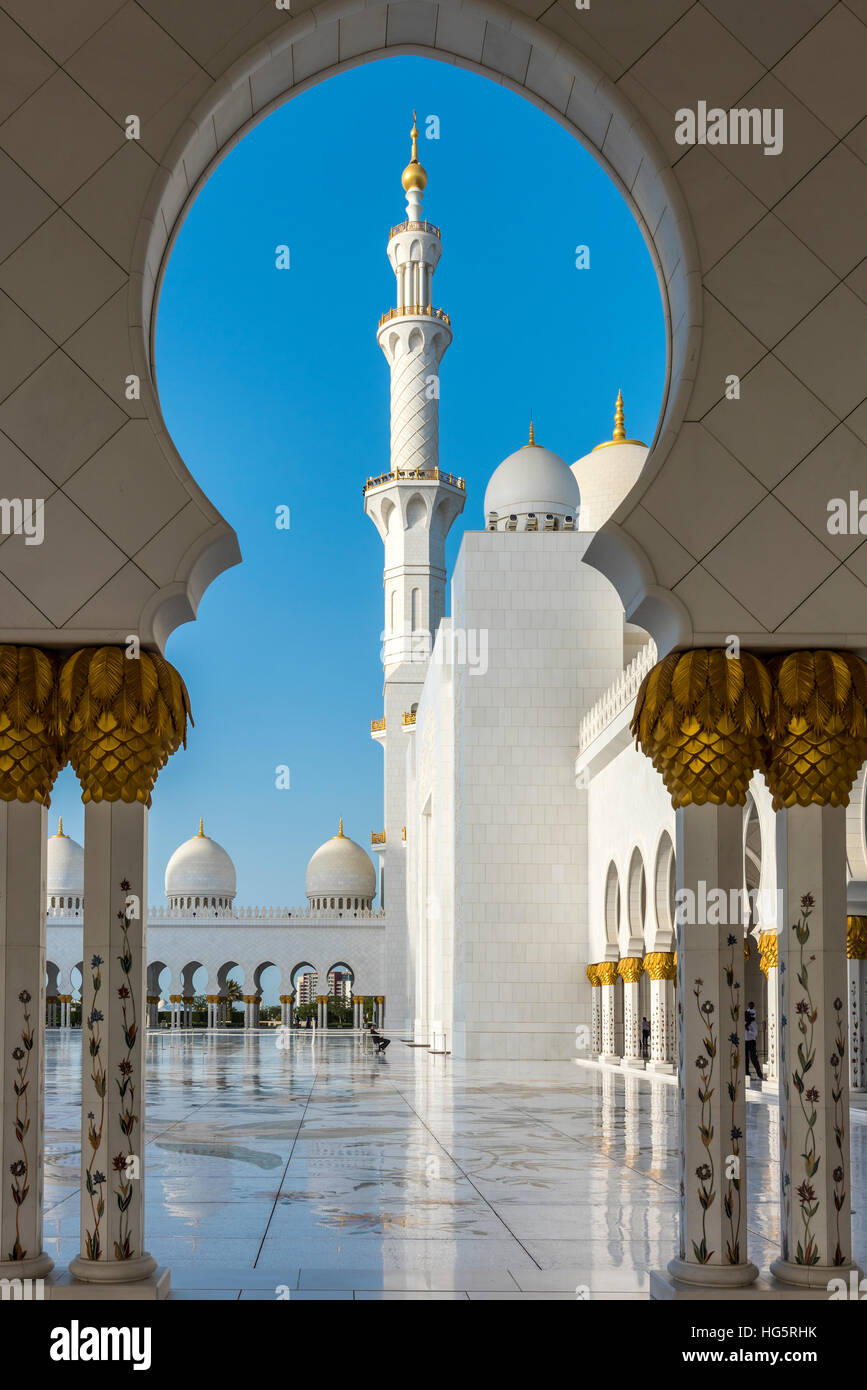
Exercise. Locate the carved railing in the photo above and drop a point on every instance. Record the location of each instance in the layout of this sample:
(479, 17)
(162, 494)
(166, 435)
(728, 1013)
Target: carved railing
(617, 697)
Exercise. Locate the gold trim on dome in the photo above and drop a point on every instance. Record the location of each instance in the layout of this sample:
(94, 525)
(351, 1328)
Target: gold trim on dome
(700, 716)
(817, 728)
(619, 435)
(121, 720)
(630, 969)
(661, 965)
(856, 938)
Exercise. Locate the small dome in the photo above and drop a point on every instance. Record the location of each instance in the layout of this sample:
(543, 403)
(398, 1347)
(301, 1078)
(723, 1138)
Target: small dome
(608, 474)
(532, 482)
(65, 867)
(200, 868)
(340, 869)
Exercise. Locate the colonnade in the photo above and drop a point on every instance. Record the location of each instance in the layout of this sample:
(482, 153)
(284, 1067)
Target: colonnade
(708, 721)
(58, 1010)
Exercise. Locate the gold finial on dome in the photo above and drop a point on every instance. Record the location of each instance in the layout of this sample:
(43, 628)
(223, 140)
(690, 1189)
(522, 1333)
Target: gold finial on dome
(619, 435)
(414, 175)
(531, 442)
(201, 834)
(340, 834)
(60, 834)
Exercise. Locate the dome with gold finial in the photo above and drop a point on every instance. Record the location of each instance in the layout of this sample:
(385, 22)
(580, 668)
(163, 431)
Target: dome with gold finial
(340, 875)
(200, 874)
(64, 879)
(415, 174)
(532, 489)
(608, 473)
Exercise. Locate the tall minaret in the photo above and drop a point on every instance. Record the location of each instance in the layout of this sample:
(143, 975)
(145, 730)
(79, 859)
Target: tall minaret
(412, 506)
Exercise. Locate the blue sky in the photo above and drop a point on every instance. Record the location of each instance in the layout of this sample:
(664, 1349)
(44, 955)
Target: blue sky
(276, 394)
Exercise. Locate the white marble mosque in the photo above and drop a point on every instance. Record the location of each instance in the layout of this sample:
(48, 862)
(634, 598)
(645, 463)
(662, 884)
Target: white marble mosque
(623, 742)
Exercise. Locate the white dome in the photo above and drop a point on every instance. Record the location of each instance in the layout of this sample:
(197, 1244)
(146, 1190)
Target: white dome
(200, 868)
(341, 869)
(532, 481)
(607, 474)
(65, 869)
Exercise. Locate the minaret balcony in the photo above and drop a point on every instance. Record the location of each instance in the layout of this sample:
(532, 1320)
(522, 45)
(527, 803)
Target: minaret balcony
(424, 226)
(377, 837)
(377, 728)
(409, 719)
(419, 310)
(424, 475)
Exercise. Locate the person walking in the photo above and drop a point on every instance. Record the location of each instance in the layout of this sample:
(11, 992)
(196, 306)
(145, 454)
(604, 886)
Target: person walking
(645, 1039)
(751, 1034)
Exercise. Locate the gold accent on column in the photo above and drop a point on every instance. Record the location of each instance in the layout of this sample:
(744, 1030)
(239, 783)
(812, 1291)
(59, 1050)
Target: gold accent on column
(661, 965)
(818, 727)
(31, 752)
(380, 998)
(122, 720)
(212, 998)
(767, 952)
(630, 969)
(700, 718)
(607, 972)
(856, 938)
(322, 999)
(358, 998)
(593, 976)
(250, 998)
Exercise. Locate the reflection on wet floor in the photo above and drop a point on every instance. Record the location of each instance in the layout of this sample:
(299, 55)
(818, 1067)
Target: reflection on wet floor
(339, 1173)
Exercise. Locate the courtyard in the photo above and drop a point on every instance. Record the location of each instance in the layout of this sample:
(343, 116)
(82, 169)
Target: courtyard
(320, 1170)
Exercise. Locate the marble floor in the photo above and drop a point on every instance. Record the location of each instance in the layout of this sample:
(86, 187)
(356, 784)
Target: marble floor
(325, 1171)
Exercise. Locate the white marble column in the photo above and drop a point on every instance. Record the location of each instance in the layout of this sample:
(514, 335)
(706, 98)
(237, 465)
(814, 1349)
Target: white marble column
(856, 953)
(153, 1001)
(662, 969)
(768, 965)
(607, 972)
(815, 1167)
(22, 1030)
(595, 1011)
(380, 1010)
(630, 969)
(710, 1062)
(322, 1011)
(113, 1054)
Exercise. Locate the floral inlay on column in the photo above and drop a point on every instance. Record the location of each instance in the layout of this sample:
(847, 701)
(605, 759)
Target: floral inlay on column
(705, 1171)
(94, 1179)
(807, 1014)
(122, 1162)
(20, 1167)
(836, 1062)
(732, 1200)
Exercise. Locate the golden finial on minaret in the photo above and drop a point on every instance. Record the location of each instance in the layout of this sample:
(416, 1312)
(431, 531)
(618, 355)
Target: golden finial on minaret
(201, 834)
(619, 431)
(60, 826)
(414, 175)
(619, 435)
(340, 831)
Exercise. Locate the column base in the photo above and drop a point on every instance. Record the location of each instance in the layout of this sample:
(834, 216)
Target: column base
(663, 1288)
(609, 1059)
(714, 1277)
(812, 1276)
(35, 1268)
(662, 1068)
(634, 1063)
(114, 1272)
(64, 1287)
